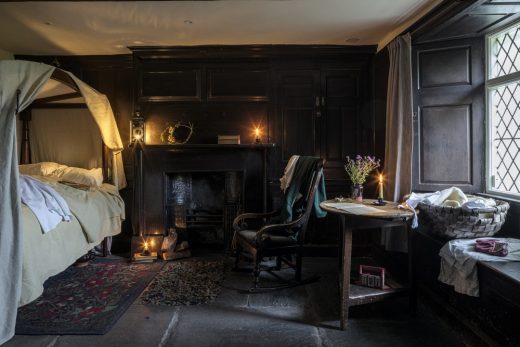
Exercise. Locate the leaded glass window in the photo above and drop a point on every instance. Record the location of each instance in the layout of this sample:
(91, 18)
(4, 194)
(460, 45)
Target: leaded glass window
(503, 95)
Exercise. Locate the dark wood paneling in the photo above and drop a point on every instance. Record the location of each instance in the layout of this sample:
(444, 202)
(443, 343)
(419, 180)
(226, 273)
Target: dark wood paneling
(471, 24)
(464, 19)
(298, 98)
(171, 84)
(444, 67)
(445, 135)
(240, 53)
(209, 120)
(346, 127)
(232, 84)
(449, 116)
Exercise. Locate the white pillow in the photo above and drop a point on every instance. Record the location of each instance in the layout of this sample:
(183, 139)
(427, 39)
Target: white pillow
(91, 178)
(45, 168)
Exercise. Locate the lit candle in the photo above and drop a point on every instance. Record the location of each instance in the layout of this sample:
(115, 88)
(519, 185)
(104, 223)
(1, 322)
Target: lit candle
(257, 135)
(145, 251)
(381, 186)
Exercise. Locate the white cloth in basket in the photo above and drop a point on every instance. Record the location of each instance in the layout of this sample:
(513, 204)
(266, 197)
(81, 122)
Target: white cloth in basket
(459, 263)
(450, 197)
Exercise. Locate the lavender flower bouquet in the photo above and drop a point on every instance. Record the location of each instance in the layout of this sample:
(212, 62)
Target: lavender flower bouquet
(359, 168)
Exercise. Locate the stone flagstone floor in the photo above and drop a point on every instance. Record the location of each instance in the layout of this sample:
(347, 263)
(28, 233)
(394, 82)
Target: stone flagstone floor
(301, 316)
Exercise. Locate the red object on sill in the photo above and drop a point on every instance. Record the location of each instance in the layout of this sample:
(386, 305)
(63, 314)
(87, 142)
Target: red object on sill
(491, 247)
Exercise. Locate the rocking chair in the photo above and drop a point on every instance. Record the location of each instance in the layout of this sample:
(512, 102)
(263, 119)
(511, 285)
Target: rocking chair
(280, 233)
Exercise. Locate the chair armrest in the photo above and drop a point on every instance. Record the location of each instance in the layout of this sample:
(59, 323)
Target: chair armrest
(244, 216)
(274, 227)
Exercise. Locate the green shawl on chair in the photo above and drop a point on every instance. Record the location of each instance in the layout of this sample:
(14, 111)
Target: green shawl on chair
(301, 180)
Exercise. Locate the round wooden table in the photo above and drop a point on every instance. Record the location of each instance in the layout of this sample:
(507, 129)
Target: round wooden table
(356, 216)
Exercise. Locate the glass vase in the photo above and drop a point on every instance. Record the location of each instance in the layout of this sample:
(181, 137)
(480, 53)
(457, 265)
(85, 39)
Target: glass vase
(357, 192)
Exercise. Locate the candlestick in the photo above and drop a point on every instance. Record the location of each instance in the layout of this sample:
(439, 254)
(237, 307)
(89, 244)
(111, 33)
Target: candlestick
(145, 251)
(381, 187)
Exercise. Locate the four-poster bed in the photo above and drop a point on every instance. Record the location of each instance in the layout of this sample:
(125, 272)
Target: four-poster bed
(28, 254)
(63, 94)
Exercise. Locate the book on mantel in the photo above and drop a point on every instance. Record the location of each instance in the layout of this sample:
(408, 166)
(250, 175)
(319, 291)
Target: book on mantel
(228, 139)
(140, 258)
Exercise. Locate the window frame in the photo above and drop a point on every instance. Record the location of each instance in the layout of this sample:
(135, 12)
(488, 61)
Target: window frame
(490, 85)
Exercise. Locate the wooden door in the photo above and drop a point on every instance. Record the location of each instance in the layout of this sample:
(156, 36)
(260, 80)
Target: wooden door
(342, 127)
(298, 95)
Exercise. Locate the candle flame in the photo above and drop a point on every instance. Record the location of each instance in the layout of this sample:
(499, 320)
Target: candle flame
(145, 245)
(257, 132)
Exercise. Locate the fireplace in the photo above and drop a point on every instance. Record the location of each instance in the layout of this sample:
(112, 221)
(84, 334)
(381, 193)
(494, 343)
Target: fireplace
(196, 189)
(200, 206)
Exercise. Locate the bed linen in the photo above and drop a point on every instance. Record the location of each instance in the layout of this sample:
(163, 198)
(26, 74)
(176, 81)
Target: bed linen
(97, 213)
(47, 205)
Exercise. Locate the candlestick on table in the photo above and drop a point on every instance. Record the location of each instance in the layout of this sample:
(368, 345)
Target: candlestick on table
(380, 198)
(381, 186)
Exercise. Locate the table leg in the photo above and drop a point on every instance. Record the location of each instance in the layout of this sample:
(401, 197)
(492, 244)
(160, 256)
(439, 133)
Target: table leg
(411, 270)
(345, 273)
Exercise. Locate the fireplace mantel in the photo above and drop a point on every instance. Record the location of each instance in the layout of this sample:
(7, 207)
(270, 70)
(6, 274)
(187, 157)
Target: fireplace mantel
(153, 163)
(212, 146)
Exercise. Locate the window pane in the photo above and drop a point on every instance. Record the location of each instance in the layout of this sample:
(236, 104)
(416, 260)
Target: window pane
(505, 53)
(505, 138)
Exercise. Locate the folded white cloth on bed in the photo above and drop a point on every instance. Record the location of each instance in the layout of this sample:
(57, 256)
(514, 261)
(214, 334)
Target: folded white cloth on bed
(459, 263)
(48, 206)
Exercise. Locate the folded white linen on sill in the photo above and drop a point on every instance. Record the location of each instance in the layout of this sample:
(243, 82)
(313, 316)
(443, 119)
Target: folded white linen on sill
(459, 262)
(47, 205)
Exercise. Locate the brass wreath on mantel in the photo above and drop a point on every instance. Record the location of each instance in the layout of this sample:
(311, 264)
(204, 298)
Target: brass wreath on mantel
(168, 134)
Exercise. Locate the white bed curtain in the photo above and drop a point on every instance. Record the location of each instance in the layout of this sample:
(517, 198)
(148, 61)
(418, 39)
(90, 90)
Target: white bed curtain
(399, 132)
(54, 130)
(28, 78)
(99, 106)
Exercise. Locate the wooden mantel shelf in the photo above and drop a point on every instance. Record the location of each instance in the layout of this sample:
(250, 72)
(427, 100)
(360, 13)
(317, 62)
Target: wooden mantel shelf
(211, 146)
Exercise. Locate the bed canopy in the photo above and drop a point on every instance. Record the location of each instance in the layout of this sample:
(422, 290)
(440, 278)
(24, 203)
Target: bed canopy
(23, 83)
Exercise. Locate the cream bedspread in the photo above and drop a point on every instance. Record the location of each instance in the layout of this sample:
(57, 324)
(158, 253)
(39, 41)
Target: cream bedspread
(97, 213)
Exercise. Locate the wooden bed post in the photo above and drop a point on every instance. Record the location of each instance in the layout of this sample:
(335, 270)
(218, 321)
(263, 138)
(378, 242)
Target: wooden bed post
(25, 153)
(105, 163)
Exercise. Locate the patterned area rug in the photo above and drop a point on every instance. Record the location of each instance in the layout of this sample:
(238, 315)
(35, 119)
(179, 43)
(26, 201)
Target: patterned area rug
(86, 300)
(191, 281)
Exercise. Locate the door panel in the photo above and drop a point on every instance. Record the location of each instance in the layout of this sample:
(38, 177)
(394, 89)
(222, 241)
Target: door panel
(341, 129)
(445, 132)
(297, 91)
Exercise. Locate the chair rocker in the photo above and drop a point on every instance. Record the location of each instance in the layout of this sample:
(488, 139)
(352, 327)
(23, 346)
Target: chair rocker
(280, 240)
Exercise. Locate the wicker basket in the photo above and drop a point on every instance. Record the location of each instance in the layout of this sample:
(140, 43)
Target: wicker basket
(457, 223)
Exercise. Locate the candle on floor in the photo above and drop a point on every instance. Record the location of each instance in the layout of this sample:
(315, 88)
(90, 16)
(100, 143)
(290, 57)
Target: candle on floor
(145, 251)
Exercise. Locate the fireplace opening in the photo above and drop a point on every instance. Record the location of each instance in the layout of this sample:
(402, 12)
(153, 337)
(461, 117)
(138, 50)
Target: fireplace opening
(201, 206)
